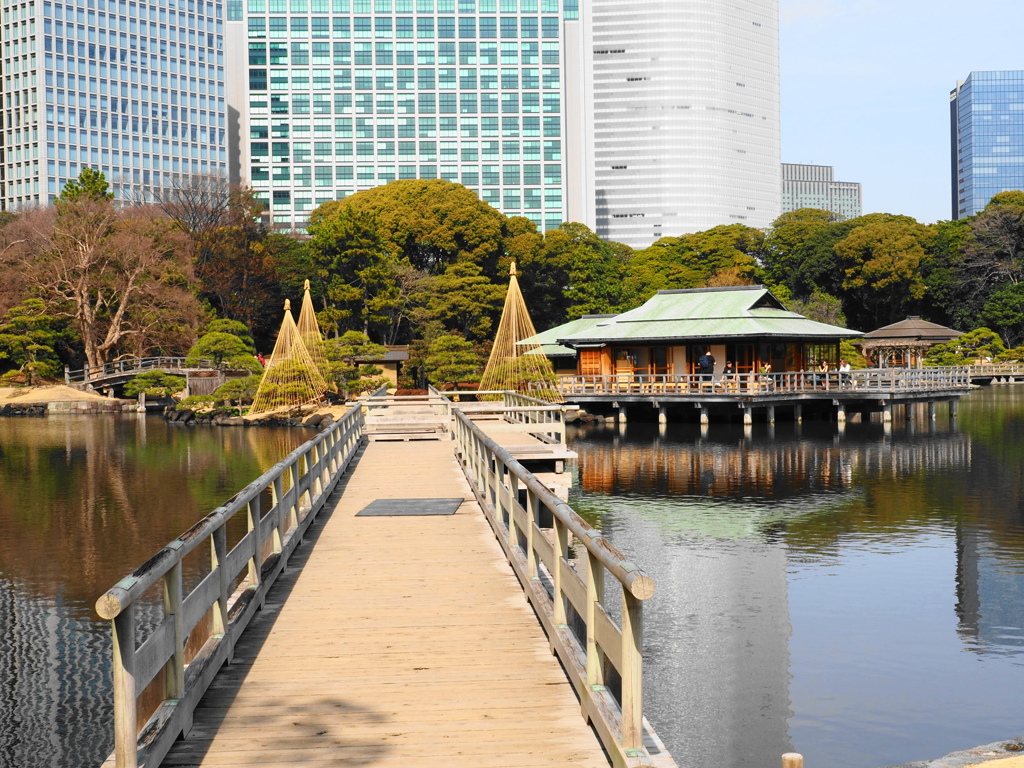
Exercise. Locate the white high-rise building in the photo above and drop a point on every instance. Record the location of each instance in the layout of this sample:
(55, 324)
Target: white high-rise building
(814, 186)
(335, 96)
(685, 117)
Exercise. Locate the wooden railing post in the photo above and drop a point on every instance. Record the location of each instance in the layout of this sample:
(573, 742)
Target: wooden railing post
(531, 525)
(218, 558)
(280, 519)
(126, 728)
(293, 510)
(486, 458)
(174, 678)
(561, 551)
(513, 499)
(256, 560)
(595, 595)
(631, 671)
(316, 478)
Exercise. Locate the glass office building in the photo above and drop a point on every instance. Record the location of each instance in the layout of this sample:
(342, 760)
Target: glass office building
(987, 138)
(344, 95)
(686, 117)
(134, 89)
(814, 186)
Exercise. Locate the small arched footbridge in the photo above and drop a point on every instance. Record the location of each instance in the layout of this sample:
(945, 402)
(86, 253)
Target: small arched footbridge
(202, 377)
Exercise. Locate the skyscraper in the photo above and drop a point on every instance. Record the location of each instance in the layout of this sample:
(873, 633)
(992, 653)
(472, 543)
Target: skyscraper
(343, 95)
(685, 117)
(134, 89)
(814, 186)
(986, 114)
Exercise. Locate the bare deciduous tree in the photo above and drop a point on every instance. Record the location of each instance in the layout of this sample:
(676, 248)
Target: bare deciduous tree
(120, 276)
(199, 204)
(994, 253)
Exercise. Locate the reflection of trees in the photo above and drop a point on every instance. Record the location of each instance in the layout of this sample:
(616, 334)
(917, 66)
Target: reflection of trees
(84, 500)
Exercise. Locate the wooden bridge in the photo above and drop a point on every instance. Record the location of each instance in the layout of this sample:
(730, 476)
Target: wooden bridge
(398, 635)
(202, 377)
(997, 373)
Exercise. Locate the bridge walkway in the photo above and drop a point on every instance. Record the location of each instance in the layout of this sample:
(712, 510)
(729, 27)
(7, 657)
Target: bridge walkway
(403, 641)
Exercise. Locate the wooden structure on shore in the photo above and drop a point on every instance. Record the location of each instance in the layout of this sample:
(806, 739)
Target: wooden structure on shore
(202, 377)
(395, 640)
(669, 334)
(904, 344)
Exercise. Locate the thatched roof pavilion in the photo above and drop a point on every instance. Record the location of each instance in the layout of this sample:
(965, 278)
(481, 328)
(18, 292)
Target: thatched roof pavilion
(904, 344)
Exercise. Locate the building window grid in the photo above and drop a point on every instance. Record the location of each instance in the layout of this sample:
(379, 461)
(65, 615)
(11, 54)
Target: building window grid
(426, 164)
(989, 124)
(79, 136)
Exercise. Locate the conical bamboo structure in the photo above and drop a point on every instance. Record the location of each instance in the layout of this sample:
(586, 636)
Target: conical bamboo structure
(291, 378)
(309, 332)
(519, 367)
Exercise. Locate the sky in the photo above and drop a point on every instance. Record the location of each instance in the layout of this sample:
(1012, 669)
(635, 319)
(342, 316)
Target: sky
(865, 88)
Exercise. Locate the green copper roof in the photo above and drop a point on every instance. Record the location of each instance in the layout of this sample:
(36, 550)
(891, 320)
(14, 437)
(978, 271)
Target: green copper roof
(706, 313)
(548, 339)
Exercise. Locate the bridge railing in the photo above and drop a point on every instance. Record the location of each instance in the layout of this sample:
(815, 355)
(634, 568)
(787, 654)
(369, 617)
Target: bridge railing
(996, 369)
(869, 380)
(548, 418)
(603, 659)
(197, 630)
(133, 365)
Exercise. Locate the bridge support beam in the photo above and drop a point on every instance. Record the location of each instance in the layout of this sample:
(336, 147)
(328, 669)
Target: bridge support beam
(798, 413)
(704, 420)
(770, 413)
(841, 413)
(662, 413)
(887, 413)
(952, 408)
(931, 410)
(748, 416)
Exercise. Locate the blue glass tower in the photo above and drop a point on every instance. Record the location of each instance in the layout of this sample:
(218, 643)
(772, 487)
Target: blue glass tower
(132, 88)
(987, 138)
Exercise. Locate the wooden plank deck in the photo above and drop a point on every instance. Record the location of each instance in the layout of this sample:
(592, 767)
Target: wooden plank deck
(375, 650)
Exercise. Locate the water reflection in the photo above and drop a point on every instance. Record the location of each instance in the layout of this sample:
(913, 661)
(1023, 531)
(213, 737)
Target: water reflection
(818, 587)
(83, 500)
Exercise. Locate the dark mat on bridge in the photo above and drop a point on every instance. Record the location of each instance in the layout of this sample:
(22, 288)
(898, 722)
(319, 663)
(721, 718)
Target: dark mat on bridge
(410, 507)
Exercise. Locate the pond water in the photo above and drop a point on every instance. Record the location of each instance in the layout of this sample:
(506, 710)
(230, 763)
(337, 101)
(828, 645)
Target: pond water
(854, 596)
(83, 501)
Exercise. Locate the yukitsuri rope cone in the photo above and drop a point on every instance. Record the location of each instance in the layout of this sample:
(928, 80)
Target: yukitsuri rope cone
(518, 367)
(309, 332)
(291, 378)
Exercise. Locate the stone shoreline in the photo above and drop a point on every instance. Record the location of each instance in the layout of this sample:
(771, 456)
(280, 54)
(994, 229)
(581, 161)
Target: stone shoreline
(59, 399)
(998, 754)
(68, 406)
(315, 420)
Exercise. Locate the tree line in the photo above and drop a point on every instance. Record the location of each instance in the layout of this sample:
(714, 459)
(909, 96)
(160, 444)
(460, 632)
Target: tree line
(88, 280)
